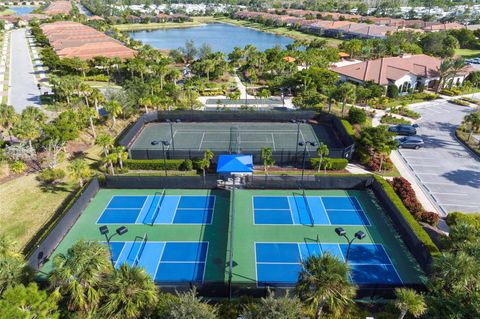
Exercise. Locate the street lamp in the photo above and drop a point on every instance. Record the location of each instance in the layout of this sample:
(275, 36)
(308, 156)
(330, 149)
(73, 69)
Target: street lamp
(165, 143)
(342, 233)
(298, 135)
(119, 231)
(305, 146)
(171, 133)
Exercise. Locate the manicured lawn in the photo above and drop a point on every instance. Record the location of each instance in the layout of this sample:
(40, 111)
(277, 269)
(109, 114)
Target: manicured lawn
(26, 206)
(467, 53)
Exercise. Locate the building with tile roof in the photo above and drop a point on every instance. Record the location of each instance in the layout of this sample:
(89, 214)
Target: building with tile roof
(406, 72)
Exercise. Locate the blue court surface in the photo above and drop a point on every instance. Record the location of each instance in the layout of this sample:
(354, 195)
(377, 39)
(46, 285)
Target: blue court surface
(158, 209)
(278, 264)
(166, 262)
(308, 210)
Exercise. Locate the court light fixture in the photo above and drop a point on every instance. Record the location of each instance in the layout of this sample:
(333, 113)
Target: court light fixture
(342, 233)
(122, 230)
(103, 230)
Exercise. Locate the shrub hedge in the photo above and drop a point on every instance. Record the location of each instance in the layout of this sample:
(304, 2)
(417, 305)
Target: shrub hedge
(417, 229)
(348, 128)
(390, 119)
(174, 165)
(459, 102)
(456, 218)
(337, 163)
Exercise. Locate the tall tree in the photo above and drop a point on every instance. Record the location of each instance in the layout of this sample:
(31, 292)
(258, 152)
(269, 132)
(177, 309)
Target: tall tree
(188, 305)
(267, 159)
(28, 302)
(346, 93)
(13, 268)
(129, 292)
(121, 154)
(27, 128)
(322, 151)
(473, 121)
(79, 170)
(8, 117)
(105, 141)
(114, 108)
(78, 274)
(323, 283)
(206, 160)
(409, 301)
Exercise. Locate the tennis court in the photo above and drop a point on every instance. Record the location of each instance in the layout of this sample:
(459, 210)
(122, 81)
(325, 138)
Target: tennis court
(232, 136)
(158, 209)
(165, 262)
(308, 210)
(278, 264)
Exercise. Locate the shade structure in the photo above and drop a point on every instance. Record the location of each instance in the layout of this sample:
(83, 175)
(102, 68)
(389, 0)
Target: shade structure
(233, 164)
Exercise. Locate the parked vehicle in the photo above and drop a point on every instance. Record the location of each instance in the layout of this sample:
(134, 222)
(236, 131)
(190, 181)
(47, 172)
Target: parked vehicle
(404, 129)
(414, 142)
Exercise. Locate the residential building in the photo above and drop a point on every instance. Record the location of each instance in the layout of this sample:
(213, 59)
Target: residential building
(406, 72)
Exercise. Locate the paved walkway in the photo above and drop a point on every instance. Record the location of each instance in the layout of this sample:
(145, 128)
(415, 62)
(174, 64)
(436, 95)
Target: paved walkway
(23, 85)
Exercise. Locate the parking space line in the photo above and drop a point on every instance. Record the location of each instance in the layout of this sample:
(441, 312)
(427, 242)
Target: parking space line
(453, 194)
(459, 205)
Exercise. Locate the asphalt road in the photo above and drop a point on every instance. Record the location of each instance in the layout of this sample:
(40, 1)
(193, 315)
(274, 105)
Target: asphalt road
(23, 85)
(444, 167)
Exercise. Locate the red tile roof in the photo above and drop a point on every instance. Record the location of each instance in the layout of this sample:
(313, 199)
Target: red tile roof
(384, 70)
(58, 7)
(73, 39)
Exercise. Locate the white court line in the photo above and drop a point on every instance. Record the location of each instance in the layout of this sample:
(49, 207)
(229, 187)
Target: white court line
(273, 141)
(201, 141)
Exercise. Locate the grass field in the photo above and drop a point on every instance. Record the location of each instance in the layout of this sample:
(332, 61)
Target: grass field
(216, 232)
(467, 53)
(28, 207)
(7, 12)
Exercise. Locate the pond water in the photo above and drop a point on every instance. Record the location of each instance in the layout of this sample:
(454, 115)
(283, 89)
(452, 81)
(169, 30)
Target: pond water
(22, 10)
(220, 36)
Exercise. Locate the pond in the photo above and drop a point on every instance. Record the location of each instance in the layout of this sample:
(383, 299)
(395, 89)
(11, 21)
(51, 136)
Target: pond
(220, 36)
(22, 10)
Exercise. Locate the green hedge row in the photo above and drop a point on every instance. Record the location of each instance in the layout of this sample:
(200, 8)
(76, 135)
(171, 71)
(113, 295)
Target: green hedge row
(337, 163)
(173, 165)
(348, 128)
(48, 227)
(417, 229)
(456, 218)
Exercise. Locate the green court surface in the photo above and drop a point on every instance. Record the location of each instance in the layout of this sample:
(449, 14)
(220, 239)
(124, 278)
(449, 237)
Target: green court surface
(182, 236)
(214, 233)
(247, 234)
(222, 136)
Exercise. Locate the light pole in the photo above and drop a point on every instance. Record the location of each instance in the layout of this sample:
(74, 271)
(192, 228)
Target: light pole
(342, 233)
(305, 146)
(119, 231)
(298, 135)
(171, 133)
(164, 143)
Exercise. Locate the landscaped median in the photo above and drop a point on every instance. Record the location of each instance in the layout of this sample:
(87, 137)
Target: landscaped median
(417, 229)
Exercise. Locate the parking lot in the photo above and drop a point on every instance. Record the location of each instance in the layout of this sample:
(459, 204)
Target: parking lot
(444, 167)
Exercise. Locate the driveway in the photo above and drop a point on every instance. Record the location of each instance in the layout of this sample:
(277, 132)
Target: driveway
(23, 85)
(446, 169)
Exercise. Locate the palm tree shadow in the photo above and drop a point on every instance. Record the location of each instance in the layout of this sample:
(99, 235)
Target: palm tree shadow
(54, 188)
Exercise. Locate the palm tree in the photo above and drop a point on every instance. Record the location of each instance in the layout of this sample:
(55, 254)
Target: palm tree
(323, 282)
(114, 108)
(205, 162)
(121, 154)
(12, 264)
(79, 170)
(129, 291)
(409, 301)
(27, 128)
(346, 93)
(78, 274)
(322, 151)
(105, 141)
(266, 154)
(98, 98)
(473, 120)
(8, 117)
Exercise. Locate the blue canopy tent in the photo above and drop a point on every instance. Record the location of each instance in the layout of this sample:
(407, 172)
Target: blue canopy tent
(235, 164)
